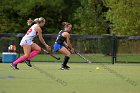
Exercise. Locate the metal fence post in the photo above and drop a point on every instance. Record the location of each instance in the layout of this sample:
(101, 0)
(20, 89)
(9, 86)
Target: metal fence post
(114, 50)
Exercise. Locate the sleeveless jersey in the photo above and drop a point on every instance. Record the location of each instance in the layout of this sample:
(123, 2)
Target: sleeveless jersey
(31, 33)
(60, 39)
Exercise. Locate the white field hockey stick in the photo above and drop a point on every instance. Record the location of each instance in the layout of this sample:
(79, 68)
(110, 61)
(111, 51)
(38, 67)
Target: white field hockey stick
(79, 55)
(82, 57)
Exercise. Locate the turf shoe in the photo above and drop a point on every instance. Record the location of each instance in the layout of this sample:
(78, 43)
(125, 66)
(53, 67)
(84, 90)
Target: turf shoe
(14, 67)
(28, 63)
(64, 67)
(67, 66)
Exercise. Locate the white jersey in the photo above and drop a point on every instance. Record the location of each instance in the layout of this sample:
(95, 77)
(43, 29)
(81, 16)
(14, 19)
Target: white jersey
(29, 36)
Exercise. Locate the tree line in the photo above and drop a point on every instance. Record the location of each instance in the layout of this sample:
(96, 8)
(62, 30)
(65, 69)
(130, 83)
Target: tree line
(87, 16)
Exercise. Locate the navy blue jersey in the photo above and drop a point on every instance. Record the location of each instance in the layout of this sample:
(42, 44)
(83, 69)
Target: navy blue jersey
(60, 39)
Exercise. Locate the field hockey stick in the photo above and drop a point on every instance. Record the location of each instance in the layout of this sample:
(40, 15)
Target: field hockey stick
(82, 56)
(58, 58)
(79, 55)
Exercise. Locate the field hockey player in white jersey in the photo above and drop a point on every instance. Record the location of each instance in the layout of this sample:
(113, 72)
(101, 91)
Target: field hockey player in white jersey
(30, 48)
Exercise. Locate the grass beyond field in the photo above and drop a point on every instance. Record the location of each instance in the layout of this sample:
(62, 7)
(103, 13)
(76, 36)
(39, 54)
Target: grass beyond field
(81, 78)
(74, 58)
(124, 58)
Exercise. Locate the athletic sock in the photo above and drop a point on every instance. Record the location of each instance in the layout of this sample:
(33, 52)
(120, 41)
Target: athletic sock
(66, 59)
(33, 54)
(19, 60)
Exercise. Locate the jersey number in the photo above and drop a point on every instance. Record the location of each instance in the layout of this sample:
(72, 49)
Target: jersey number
(29, 31)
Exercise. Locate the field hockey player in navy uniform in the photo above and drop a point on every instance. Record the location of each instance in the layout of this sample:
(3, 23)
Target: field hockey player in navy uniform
(63, 44)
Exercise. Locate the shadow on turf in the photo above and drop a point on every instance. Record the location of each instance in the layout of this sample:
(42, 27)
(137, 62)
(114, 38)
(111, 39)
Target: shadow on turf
(128, 80)
(3, 92)
(51, 76)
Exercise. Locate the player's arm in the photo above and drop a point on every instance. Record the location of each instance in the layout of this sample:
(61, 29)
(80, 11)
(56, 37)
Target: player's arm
(39, 33)
(65, 44)
(68, 43)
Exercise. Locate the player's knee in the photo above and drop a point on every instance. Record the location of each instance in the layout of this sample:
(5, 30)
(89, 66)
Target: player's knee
(68, 54)
(39, 50)
(26, 55)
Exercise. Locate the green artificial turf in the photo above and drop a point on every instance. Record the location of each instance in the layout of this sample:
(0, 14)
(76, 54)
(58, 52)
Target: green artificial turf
(81, 78)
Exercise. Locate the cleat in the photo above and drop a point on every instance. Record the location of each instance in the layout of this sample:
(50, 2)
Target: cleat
(28, 63)
(64, 67)
(67, 66)
(14, 66)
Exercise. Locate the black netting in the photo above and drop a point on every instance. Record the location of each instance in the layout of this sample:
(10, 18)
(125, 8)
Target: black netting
(94, 48)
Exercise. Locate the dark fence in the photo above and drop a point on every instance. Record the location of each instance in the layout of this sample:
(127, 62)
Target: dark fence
(128, 49)
(104, 48)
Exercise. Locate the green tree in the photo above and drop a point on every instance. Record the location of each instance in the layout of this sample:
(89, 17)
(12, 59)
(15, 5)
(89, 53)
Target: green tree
(14, 14)
(125, 16)
(89, 18)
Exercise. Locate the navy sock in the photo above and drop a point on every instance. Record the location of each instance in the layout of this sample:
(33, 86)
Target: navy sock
(66, 59)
